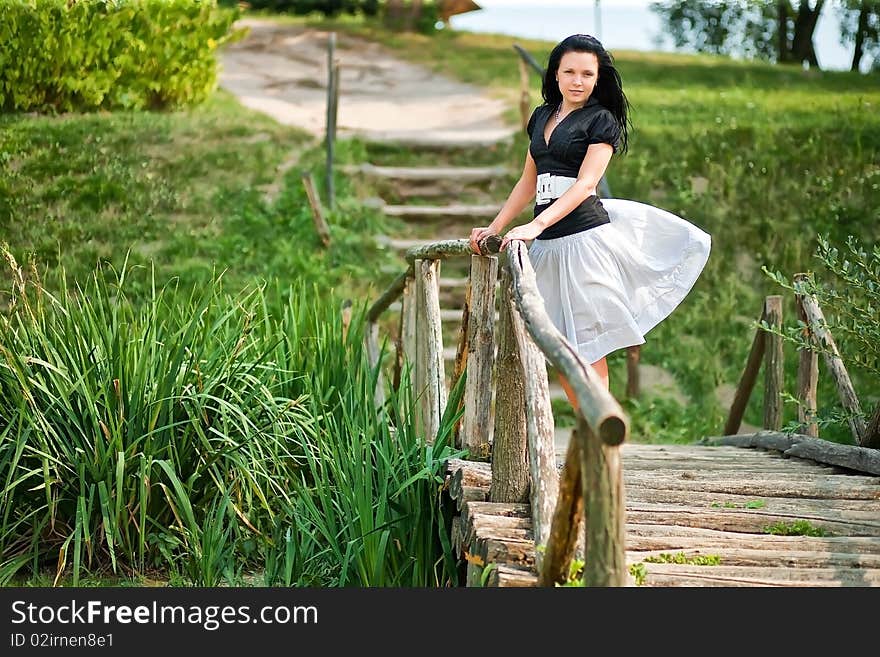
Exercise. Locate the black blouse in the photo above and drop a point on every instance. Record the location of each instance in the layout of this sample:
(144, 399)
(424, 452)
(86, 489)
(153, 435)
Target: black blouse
(564, 154)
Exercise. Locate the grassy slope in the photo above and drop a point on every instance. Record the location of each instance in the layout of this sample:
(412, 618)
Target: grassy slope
(185, 190)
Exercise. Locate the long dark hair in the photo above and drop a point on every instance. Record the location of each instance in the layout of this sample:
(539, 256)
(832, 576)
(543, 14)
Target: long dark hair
(608, 90)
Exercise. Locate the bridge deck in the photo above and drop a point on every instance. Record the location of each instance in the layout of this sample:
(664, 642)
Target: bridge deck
(687, 505)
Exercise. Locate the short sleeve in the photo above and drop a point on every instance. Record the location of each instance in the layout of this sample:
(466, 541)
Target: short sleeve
(604, 129)
(533, 119)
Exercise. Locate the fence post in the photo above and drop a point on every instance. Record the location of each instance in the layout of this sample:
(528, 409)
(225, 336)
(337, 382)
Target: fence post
(332, 108)
(773, 365)
(808, 371)
(510, 470)
(481, 354)
(429, 349)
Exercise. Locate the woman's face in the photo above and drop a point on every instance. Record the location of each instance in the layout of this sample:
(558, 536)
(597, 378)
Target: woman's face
(577, 74)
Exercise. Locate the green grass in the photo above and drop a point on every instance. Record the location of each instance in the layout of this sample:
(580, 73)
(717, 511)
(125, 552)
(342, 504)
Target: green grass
(196, 193)
(796, 528)
(682, 559)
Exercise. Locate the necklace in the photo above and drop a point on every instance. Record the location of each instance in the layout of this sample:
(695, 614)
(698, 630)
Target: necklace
(558, 110)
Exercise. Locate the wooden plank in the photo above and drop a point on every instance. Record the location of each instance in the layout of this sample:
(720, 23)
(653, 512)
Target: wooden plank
(317, 212)
(702, 499)
(461, 355)
(770, 576)
(456, 211)
(508, 576)
(741, 521)
(676, 537)
(429, 174)
(738, 556)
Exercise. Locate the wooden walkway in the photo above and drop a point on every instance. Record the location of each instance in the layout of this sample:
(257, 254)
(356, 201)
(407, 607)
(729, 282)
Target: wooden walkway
(693, 505)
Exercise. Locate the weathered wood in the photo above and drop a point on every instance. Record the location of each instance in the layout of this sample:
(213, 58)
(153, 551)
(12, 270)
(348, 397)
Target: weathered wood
(463, 479)
(429, 363)
(372, 339)
(872, 433)
(507, 576)
(774, 375)
(320, 222)
(853, 457)
(600, 409)
(808, 372)
(758, 487)
(528, 59)
(456, 211)
(633, 355)
(429, 174)
(737, 520)
(835, 365)
(674, 537)
(604, 502)
(409, 339)
(439, 249)
(510, 468)
(567, 521)
(700, 499)
(736, 556)
(540, 432)
(461, 356)
(757, 576)
(476, 423)
(470, 494)
(746, 383)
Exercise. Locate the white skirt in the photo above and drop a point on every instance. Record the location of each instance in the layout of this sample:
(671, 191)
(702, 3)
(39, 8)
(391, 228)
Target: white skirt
(606, 287)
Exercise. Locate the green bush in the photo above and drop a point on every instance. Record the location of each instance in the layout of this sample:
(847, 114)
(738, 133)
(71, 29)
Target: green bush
(109, 54)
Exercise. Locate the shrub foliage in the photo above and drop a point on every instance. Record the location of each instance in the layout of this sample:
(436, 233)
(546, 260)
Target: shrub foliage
(61, 55)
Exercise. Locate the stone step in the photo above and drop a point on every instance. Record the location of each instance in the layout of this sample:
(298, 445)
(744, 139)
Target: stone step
(428, 174)
(446, 314)
(441, 140)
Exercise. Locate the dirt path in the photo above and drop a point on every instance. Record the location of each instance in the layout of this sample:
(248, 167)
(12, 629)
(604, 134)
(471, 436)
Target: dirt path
(281, 70)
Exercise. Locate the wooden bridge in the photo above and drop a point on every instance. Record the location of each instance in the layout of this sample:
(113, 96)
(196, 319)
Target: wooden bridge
(766, 509)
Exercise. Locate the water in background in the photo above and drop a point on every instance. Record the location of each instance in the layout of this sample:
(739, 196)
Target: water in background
(624, 26)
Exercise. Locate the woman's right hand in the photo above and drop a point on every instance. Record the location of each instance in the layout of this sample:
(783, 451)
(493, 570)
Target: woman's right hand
(479, 233)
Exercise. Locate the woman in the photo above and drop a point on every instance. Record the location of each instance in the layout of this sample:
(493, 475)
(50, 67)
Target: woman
(610, 270)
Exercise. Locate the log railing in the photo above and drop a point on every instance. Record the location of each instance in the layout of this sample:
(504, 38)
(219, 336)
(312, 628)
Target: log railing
(767, 347)
(522, 452)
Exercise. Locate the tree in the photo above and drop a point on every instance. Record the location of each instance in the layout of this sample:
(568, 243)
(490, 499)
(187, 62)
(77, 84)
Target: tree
(765, 29)
(860, 25)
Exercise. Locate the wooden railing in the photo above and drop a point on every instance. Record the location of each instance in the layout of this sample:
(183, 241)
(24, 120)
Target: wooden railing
(767, 347)
(522, 432)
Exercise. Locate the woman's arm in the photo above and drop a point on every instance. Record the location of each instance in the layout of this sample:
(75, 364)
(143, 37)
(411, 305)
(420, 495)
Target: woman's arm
(520, 196)
(592, 169)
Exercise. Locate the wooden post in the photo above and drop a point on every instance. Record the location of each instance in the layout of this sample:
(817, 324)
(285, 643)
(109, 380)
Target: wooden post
(429, 338)
(372, 344)
(604, 504)
(808, 371)
(848, 399)
(410, 345)
(540, 432)
(510, 470)
(633, 355)
(315, 205)
(746, 383)
(461, 354)
(568, 519)
(481, 354)
(872, 434)
(773, 365)
(332, 107)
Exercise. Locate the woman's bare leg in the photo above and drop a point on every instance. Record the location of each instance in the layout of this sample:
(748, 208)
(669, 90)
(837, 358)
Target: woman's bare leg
(601, 367)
